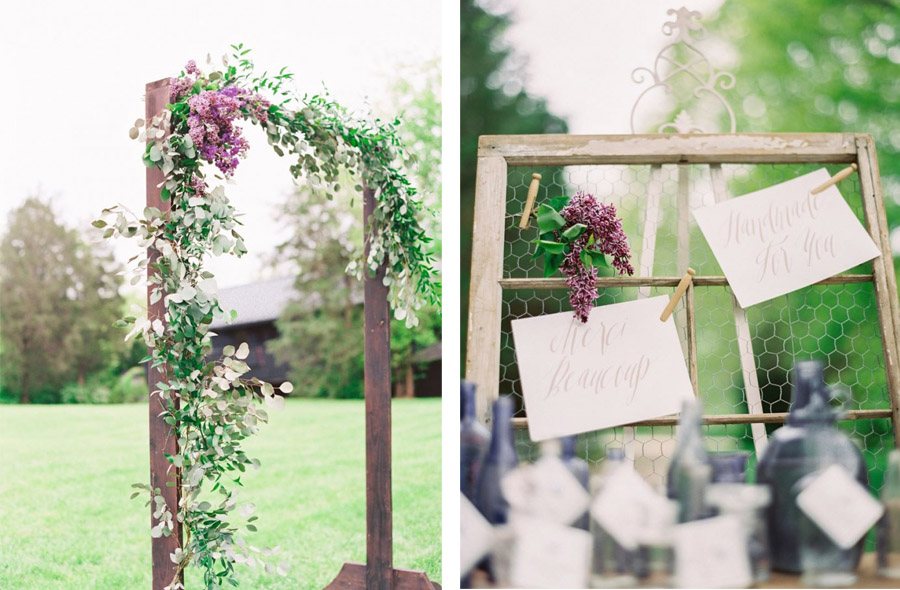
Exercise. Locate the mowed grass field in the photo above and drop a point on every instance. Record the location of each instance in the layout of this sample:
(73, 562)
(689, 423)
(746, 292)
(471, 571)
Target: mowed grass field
(66, 521)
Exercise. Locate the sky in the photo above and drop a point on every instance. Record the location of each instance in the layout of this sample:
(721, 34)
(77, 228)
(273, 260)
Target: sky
(581, 54)
(76, 72)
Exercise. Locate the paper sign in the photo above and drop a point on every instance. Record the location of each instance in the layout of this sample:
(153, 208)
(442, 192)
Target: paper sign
(622, 505)
(476, 535)
(546, 489)
(712, 553)
(840, 506)
(549, 555)
(782, 238)
(622, 366)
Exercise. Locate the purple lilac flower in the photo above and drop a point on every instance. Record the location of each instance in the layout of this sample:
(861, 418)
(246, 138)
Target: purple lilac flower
(211, 124)
(609, 238)
(212, 115)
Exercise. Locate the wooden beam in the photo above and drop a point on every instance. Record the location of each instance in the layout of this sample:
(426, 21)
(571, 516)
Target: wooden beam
(719, 419)
(883, 272)
(749, 148)
(485, 294)
(626, 281)
(162, 436)
(742, 334)
(377, 383)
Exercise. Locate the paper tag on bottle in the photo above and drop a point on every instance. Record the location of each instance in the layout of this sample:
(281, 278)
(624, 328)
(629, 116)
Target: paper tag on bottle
(476, 535)
(712, 553)
(840, 506)
(546, 489)
(549, 555)
(620, 507)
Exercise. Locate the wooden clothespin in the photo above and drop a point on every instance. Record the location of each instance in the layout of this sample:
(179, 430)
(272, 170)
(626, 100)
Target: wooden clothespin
(683, 285)
(836, 178)
(529, 201)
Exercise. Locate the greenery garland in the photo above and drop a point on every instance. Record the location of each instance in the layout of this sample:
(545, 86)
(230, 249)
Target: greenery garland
(219, 407)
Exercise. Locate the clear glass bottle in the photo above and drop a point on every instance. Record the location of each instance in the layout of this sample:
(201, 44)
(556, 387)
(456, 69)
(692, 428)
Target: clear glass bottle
(889, 526)
(654, 561)
(823, 563)
(749, 503)
(611, 563)
(474, 440)
(690, 471)
(578, 467)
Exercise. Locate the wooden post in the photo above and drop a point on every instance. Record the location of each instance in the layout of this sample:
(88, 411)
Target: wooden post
(162, 438)
(379, 508)
(379, 572)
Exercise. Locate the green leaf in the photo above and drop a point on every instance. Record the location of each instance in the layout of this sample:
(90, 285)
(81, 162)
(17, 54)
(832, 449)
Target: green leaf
(552, 263)
(548, 219)
(574, 231)
(99, 223)
(551, 247)
(559, 202)
(599, 259)
(586, 259)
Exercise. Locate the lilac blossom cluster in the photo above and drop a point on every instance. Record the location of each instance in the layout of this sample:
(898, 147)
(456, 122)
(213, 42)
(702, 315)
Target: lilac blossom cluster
(212, 116)
(609, 238)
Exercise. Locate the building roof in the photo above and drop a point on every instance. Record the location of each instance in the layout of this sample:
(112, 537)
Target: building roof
(262, 301)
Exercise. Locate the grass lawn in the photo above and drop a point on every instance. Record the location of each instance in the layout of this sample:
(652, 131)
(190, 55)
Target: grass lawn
(65, 475)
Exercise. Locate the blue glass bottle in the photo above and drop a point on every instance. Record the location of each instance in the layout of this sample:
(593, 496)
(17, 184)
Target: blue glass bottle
(809, 441)
(474, 439)
(501, 458)
(579, 468)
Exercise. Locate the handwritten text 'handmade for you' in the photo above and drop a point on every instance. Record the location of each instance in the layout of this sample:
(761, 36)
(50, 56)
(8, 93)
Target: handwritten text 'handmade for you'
(622, 366)
(783, 238)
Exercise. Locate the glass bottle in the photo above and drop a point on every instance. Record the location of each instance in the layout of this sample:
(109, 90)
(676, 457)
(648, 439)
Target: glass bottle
(749, 503)
(579, 468)
(823, 562)
(688, 445)
(474, 439)
(690, 471)
(729, 467)
(654, 561)
(889, 527)
(809, 441)
(611, 563)
(501, 458)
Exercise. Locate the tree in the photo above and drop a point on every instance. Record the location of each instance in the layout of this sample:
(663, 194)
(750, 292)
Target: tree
(59, 300)
(321, 332)
(493, 101)
(837, 72)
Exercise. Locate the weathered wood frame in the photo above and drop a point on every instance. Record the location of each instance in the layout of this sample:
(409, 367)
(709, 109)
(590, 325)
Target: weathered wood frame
(496, 153)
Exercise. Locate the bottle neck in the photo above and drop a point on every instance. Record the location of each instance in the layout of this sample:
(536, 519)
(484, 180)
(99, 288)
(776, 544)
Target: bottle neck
(501, 428)
(467, 401)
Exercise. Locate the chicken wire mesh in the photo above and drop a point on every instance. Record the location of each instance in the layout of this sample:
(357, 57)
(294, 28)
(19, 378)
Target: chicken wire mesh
(836, 323)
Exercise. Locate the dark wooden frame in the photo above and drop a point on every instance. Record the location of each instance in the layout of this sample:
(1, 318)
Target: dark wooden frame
(378, 572)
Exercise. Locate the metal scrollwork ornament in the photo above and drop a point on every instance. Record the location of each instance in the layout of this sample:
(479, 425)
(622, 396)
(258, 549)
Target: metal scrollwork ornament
(680, 63)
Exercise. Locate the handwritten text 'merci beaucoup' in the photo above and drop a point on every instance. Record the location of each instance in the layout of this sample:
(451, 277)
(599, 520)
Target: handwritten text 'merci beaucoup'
(571, 376)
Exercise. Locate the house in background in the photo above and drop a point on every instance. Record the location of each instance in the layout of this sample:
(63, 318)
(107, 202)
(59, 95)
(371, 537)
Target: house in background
(258, 306)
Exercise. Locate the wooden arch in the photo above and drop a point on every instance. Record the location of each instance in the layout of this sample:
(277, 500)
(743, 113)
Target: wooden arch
(378, 572)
